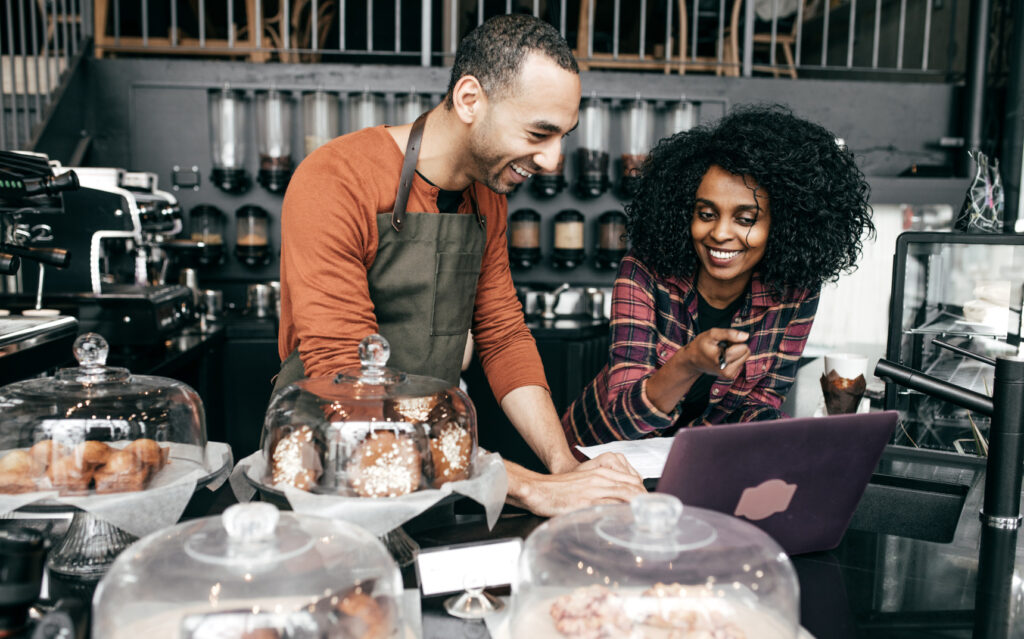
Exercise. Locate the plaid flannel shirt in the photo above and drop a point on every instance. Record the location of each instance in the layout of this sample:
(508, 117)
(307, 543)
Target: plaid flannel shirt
(652, 318)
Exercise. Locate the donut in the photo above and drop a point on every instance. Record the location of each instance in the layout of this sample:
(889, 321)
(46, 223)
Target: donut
(451, 449)
(295, 461)
(92, 453)
(123, 472)
(363, 617)
(385, 464)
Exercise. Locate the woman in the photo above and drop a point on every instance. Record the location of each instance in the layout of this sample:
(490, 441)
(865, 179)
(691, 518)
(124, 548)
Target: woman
(734, 229)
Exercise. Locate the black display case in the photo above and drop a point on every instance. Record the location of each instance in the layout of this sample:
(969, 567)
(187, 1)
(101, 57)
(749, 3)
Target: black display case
(955, 306)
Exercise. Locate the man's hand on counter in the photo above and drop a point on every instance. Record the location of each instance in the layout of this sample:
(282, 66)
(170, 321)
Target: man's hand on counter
(603, 480)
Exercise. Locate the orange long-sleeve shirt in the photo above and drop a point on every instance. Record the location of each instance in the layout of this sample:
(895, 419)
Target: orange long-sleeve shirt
(329, 241)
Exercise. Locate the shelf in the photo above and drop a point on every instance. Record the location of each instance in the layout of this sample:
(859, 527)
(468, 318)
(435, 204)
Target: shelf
(949, 324)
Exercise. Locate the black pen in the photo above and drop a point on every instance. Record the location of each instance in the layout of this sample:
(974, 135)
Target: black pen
(722, 345)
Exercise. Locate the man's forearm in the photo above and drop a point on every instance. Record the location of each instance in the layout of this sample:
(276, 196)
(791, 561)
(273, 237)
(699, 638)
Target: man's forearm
(530, 410)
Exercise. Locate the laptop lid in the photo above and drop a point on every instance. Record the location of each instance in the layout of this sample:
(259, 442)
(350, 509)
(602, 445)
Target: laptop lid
(797, 479)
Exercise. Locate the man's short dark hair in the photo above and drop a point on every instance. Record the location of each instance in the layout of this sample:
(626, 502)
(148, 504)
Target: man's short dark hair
(493, 53)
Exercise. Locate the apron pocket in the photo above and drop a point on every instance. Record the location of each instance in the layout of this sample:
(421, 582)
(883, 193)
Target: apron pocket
(455, 278)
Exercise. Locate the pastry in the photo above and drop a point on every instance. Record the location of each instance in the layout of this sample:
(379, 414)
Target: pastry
(69, 473)
(149, 453)
(677, 610)
(363, 617)
(92, 453)
(295, 461)
(12, 482)
(593, 612)
(44, 450)
(385, 464)
(451, 449)
(21, 462)
(123, 472)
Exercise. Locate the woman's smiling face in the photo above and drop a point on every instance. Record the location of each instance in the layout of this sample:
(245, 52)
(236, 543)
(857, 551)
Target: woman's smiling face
(731, 219)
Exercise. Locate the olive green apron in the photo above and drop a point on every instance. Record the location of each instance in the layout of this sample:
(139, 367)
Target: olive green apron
(422, 282)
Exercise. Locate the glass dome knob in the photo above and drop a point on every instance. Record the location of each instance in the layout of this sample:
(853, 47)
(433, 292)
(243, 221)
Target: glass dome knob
(91, 350)
(250, 523)
(374, 351)
(656, 514)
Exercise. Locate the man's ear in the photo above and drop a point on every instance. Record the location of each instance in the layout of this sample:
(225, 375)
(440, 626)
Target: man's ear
(468, 99)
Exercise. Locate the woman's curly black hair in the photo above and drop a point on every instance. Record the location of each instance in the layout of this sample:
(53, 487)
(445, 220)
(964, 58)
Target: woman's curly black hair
(818, 198)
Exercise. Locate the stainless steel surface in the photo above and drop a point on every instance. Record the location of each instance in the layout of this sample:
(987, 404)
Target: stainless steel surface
(212, 302)
(573, 301)
(19, 330)
(550, 300)
(595, 301)
(259, 300)
(190, 277)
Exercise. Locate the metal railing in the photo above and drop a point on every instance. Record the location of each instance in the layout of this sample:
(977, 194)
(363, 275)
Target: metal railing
(727, 37)
(40, 41)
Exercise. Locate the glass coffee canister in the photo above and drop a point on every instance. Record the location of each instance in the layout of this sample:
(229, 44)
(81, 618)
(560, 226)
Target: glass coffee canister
(611, 240)
(274, 138)
(228, 131)
(568, 245)
(680, 116)
(548, 184)
(409, 106)
(365, 109)
(319, 118)
(207, 225)
(252, 244)
(592, 154)
(524, 243)
(637, 137)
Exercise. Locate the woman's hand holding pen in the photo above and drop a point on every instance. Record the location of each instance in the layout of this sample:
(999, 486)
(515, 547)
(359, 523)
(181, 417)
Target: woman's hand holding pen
(719, 352)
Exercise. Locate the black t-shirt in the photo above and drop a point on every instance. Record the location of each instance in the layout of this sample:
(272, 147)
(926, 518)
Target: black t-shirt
(698, 396)
(447, 201)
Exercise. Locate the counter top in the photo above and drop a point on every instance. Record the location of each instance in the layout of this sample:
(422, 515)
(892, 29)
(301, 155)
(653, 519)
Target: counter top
(874, 584)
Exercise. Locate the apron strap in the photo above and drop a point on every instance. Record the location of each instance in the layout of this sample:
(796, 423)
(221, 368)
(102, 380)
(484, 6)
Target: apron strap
(412, 154)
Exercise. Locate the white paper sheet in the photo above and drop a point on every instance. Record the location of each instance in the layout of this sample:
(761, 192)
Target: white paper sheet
(488, 487)
(647, 456)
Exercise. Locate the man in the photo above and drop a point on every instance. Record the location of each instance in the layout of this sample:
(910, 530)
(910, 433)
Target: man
(401, 230)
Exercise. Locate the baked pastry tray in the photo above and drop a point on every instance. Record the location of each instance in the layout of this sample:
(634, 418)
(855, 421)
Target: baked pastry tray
(487, 486)
(159, 505)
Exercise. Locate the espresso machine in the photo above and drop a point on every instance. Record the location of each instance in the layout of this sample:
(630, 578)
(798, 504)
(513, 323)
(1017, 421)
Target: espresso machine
(112, 225)
(30, 344)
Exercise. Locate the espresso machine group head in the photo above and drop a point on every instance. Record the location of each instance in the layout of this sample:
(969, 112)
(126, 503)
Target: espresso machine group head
(28, 184)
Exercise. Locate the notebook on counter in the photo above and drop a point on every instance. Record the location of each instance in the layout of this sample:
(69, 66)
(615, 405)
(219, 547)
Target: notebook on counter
(798, 479)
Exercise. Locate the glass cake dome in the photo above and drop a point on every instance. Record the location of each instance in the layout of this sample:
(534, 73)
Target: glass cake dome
(369, 432)
(653, 569)
(96, 428)
(252, 572)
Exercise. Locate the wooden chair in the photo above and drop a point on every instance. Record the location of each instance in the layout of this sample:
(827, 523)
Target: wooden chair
(300, 29)
(785, 41)
(680, 62)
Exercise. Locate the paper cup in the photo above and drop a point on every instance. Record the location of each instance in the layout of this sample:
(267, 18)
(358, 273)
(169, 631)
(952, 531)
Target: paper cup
(847, 365)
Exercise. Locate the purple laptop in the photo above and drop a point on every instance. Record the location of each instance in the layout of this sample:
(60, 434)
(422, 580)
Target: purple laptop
(799, 479)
